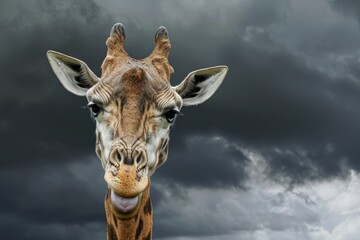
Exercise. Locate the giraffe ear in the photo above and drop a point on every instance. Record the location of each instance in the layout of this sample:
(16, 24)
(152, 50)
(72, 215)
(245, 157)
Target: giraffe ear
(73, 73)
(201, 84)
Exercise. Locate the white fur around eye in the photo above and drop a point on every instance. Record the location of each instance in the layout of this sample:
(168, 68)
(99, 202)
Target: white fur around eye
(152, 146)
(107, 139)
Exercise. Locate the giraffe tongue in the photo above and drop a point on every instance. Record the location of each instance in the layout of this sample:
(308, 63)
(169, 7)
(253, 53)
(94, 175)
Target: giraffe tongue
(124, 205)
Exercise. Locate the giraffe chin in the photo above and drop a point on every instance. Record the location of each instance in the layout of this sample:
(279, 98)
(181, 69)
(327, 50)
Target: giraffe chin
(126, 191)
(124, 207)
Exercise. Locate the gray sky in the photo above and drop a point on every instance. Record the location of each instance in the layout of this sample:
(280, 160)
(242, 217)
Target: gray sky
(274, 154)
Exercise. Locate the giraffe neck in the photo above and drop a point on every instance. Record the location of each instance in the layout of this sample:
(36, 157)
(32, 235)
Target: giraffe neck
(138, 227)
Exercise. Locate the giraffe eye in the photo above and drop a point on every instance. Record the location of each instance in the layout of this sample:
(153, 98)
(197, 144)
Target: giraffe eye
(94, 109)
(171, 115)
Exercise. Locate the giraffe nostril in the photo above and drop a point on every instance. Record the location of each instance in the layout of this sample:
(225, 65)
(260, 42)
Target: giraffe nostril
(129, 161)
(118, 156)
(141, 161)
(138, 159)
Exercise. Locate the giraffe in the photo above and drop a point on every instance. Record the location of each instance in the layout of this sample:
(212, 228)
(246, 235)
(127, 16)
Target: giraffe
(133, 105)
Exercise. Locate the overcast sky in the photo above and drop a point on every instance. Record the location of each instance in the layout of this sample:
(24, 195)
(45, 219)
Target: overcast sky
(274, 154)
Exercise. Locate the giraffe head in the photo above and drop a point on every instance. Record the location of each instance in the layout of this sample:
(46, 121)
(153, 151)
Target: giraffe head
(134, 106)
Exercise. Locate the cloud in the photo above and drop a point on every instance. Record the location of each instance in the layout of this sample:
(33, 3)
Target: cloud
(297, 164)
(53, 202)
(20, 229)
(315, 210)
(62, 194)
(33, 135)
(347, 7)
(201, 161)
(30, 29)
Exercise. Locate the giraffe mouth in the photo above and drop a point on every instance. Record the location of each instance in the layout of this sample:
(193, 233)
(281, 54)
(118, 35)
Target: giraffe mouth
(125, 206)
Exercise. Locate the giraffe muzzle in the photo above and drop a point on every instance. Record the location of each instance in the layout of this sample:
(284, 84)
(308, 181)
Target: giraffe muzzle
(126, 182)
(127, 177)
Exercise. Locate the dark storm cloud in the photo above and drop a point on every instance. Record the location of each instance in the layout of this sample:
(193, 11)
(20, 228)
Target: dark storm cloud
(301, 164)
(52, 199)
(347, 7)
(276, 100)
(37, 113)
(202, 162)
(33, 144)
(13, 227)
(30, 29)
(292, 94)
(57, 195)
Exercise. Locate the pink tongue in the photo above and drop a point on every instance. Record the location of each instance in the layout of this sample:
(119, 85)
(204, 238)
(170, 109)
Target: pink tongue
(124, 204)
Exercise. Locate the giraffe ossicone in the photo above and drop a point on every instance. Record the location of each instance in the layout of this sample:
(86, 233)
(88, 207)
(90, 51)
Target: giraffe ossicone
(134, 106)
